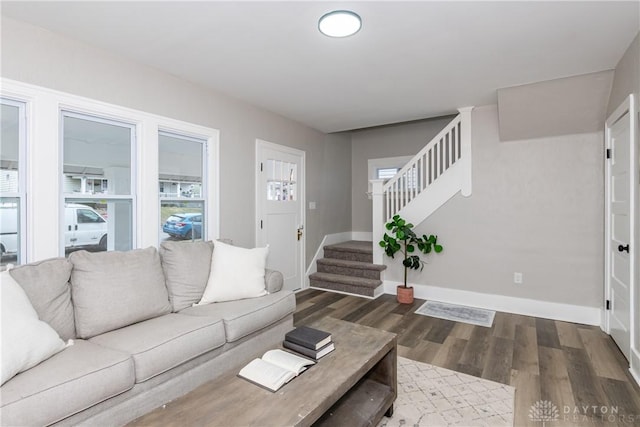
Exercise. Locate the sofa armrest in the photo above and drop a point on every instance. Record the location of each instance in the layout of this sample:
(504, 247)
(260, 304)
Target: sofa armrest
(273, 280)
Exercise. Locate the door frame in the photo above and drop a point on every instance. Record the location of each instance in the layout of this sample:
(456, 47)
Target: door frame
(260, 143)
(628, 106)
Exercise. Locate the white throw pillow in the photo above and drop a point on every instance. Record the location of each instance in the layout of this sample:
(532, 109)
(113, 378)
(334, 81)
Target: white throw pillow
(26, 340)
(236, 273)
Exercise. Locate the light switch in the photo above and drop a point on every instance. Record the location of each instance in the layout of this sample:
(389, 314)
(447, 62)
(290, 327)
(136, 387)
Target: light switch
(312, 205)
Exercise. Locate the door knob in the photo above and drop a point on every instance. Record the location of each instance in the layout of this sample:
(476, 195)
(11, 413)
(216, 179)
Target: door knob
(623, 248)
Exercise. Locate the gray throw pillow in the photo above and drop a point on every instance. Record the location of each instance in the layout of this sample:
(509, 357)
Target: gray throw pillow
(46, 283)
(186, 268)
(273, 280)
(115, 289)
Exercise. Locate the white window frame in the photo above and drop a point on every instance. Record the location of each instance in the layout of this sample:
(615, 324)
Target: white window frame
(75, 198)
(43, 154)
(204, 185)
(23, 116)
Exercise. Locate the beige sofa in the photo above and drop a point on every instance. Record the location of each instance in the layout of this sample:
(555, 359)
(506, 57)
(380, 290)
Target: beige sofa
(138, 341)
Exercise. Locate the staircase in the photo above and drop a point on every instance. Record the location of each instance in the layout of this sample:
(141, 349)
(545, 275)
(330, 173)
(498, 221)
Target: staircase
(348, 268)
(437, 173)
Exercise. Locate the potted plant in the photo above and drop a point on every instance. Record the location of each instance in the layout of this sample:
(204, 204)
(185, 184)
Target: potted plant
(404, 239)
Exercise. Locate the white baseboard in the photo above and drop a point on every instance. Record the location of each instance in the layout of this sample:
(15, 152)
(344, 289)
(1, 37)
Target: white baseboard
(523, 306)
(331, 239)
(635, 365)
(376, 292)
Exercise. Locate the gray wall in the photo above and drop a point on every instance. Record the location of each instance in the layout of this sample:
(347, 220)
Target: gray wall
(536, 208)
(33, 55)
(564, 106)
(626, 78)
(330, 191)
(385, 141)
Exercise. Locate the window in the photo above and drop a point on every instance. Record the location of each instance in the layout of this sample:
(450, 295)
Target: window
(98, 183)
(181, 183)
(410, 179)
(95, 188)
(386, 168)
(281, 180)
(386, 173)
(12, 182)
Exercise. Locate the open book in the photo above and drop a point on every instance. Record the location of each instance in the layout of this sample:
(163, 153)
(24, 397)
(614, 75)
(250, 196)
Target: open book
(274, 369)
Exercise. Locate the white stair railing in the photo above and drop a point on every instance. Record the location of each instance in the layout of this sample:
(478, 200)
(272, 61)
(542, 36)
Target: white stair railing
(423, 170)
(441, 168)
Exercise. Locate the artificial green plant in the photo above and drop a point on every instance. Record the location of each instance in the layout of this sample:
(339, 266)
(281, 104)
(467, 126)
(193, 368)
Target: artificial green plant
(404, 239)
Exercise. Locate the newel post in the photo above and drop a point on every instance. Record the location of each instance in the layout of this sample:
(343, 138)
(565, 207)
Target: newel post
(465, 142)
(377, 196)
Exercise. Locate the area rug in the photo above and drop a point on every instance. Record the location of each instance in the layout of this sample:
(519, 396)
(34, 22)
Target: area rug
(438, 397)
(457, 313)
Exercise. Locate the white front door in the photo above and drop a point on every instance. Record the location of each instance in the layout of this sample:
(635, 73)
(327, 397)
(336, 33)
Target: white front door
(280, 209)
(620, 222)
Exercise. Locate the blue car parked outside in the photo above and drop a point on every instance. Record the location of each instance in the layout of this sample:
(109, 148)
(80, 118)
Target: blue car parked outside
(184, 226)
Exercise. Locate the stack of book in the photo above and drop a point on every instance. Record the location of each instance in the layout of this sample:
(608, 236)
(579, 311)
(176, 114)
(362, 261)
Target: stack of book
(309, 342)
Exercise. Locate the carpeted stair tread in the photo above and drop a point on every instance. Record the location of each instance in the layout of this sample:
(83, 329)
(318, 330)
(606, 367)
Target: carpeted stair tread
(351, 264)
(353, 250)
(347, 280)
(348, 267)
(357, 246)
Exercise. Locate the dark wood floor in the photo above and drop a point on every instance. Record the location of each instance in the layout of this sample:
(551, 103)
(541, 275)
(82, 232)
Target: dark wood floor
(576, 367)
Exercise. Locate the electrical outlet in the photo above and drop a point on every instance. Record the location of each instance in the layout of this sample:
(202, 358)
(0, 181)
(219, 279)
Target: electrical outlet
(517, 278)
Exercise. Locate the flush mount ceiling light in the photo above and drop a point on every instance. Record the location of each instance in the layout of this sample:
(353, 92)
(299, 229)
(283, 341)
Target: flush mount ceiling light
(339, 23)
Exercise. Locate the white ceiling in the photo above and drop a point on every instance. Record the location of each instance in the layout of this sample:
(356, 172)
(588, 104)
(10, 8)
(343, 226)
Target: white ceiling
(410, 60)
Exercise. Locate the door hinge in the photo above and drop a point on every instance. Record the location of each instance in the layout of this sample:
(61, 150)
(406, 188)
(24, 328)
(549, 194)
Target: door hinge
(261, 165)
(608, 153)
(608, 305)
(260, 224)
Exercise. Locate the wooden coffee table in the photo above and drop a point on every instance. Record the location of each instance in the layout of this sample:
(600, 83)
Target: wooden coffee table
(355, 385)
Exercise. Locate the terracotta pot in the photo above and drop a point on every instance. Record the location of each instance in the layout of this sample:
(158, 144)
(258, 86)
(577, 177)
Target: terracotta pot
(405, 295)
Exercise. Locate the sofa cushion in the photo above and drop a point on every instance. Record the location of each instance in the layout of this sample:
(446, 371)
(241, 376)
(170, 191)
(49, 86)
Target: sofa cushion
(26, 340)
(74, 379)
(162, 343)
(243, 317)
(236, 273)
(115, 289)
(46, 283)
(273, 280)
(186, 268)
